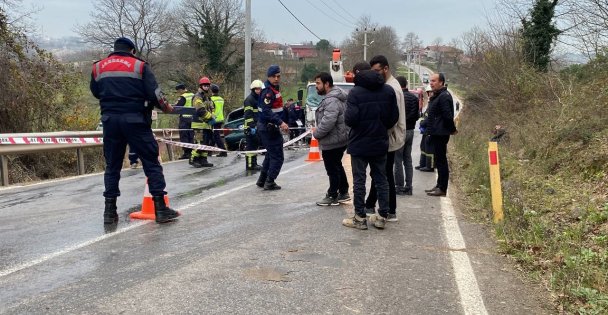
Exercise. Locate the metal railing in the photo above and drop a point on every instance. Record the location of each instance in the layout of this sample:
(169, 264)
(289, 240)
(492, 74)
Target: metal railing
(12, 149)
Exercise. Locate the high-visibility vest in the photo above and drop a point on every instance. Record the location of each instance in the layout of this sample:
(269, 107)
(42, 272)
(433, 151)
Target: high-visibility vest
(188, 96)
(218, 102)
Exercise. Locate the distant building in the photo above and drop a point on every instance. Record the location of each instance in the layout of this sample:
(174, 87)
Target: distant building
(437, 52)
(302, 51)
(274, 49)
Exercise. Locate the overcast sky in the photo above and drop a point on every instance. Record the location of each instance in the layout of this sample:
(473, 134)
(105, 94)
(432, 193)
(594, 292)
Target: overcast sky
(428, 18)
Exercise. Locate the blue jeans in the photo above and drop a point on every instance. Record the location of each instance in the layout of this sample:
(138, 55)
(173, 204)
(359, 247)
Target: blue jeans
(373, 196)
(403, 158)
(377, 165)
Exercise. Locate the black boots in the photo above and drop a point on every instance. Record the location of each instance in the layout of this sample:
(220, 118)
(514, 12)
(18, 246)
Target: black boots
(163, 213)
(110, 215)
(251, 163)
(261, 179)
(267, 183)
(200, 161)
(271, 185)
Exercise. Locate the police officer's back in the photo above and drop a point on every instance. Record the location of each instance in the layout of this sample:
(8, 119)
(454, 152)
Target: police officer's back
(127, 91)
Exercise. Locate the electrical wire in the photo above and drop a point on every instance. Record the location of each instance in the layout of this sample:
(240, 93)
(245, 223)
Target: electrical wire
(337, 13)
(343, 9)
(295, 17)
(329, 16)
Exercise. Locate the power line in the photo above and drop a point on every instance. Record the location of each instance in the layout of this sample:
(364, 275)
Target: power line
(329, 16)
(343, 9)
(337, 13)
(306, 27)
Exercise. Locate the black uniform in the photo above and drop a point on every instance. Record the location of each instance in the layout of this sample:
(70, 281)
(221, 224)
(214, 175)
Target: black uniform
(250, 114)
(271, 117)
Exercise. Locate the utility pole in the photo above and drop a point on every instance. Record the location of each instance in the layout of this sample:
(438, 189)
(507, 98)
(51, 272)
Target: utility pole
(365, 44)
(247, 46)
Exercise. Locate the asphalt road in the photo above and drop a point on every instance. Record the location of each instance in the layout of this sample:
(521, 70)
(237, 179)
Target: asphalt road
(240, 250)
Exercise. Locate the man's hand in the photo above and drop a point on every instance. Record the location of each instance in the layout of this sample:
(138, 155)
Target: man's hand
(165, 106)
(284, 127)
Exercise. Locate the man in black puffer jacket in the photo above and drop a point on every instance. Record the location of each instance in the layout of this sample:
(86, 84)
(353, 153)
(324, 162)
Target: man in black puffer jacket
(371, 110)
(440, 125)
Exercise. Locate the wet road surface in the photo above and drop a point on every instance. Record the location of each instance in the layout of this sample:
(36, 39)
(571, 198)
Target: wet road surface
(240, 250)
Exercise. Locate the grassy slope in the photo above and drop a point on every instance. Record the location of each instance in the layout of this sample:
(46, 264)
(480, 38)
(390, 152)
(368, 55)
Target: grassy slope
(555, 183)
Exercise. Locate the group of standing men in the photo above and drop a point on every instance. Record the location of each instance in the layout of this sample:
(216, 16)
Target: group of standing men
(375, 124)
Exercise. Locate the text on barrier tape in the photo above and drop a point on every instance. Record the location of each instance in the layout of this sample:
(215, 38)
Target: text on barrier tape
(49, 140)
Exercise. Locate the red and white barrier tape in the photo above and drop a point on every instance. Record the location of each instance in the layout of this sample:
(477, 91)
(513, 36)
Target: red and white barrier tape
(49, 140)
(209, 148)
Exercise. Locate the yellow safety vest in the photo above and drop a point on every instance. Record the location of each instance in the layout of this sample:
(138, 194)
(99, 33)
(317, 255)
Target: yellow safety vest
(188, 96)
(218, 102)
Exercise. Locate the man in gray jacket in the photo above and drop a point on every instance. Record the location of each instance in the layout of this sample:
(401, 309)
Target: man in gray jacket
(332, 134)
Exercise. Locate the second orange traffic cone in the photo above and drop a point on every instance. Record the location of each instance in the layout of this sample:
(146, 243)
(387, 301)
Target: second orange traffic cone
(313, 154)
(147, 206)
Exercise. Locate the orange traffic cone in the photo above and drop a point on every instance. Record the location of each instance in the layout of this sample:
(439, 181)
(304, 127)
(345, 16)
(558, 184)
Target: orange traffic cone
(147, 206)
(313, 154)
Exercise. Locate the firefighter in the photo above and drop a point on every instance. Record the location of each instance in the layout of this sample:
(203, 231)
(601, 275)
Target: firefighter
(127, 91)
(250, 114)
(186, 134)
(218, 105)
(270, 125)
(202, 123)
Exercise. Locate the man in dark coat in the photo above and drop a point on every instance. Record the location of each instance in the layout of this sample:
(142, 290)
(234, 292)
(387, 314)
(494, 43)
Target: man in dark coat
(440, 125)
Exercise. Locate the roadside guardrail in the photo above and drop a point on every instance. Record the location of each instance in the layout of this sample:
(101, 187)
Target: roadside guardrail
(25, 143)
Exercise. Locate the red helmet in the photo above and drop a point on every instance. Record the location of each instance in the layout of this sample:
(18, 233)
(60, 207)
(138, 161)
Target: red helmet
(204, 80)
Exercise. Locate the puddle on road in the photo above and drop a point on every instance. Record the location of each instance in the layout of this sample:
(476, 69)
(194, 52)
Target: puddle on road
(267, 274)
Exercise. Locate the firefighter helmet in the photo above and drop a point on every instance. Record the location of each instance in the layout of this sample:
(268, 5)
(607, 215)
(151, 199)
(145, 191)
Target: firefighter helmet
(204, 80)
(256, 84)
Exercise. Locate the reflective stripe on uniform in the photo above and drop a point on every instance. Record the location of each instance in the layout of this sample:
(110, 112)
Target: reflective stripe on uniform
(118, 74)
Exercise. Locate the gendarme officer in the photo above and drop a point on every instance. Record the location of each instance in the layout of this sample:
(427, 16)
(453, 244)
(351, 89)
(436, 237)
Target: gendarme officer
(270, 124)
(127, 91)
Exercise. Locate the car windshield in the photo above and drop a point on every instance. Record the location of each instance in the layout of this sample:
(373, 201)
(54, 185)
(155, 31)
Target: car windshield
(313, 99)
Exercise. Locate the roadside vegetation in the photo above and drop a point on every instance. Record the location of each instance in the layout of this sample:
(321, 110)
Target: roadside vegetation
(554, 158)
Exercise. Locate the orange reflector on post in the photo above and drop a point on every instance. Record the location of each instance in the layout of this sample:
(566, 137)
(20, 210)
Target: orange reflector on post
(493, 158)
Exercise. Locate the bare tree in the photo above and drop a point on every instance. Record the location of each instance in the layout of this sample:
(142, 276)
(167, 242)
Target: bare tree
(411, 41)
(474, 43)
(587, 25)
(213, 30)
(149, 23)
(381, 40)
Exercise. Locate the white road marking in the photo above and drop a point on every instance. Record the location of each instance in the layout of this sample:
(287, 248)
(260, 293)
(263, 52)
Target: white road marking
(78, 246)
(470, 295)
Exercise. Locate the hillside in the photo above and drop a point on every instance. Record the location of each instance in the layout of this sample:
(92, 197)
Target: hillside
(554, 171)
